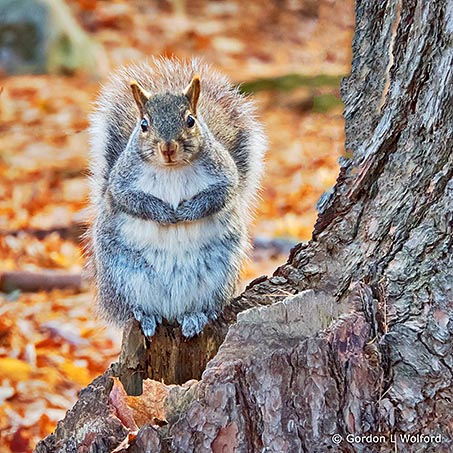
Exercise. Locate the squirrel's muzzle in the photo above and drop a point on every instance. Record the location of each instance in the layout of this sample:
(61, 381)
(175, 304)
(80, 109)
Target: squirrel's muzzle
(168, 151)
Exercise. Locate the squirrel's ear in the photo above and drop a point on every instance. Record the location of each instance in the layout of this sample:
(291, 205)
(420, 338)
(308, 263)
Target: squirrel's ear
(140, 95)
(192, 92)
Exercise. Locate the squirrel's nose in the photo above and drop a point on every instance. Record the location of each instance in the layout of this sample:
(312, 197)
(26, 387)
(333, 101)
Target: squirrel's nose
(168, 149)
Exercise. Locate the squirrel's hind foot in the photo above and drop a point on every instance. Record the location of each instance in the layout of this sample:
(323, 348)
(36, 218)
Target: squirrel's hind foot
(148, 322)
(192, 324)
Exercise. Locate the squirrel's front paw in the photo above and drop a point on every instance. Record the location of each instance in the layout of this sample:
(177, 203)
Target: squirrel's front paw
(192, 324)
(148, 322)
(185, 212)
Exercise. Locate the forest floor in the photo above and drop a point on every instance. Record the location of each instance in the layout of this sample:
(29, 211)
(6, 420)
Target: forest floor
(52, 343)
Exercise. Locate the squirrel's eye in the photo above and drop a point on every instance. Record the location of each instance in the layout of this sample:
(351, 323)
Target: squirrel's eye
(144, 125)
(190, 121)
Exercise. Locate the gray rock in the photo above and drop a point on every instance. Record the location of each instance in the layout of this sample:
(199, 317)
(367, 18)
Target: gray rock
(42, 36)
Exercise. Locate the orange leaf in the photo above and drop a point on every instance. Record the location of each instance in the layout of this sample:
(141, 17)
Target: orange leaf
(76, 373)
(14, 369)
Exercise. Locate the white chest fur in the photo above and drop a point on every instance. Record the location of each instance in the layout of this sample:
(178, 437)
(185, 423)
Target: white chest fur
(173, 185)
(174, 239)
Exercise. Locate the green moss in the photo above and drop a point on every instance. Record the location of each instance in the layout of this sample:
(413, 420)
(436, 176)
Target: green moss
(290, 82)
(325, 102)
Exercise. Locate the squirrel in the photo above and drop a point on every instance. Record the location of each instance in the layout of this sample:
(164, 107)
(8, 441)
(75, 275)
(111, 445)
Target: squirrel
(176, 159)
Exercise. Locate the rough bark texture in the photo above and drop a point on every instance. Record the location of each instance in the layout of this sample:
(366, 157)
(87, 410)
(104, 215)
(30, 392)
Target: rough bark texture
(91, 425)
(365, 346)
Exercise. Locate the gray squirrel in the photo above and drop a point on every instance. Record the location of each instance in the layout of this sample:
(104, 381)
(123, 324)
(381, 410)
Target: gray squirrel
(176, 158)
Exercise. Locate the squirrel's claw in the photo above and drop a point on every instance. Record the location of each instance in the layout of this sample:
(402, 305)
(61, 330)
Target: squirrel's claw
(147, 322)
(149, 326)
(192, 324)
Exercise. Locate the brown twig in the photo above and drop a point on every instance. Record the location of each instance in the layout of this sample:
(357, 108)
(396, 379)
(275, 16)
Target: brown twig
(39, 281)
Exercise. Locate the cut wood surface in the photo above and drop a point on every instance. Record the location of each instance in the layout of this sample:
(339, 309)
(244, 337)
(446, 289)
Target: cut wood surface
(353, 335)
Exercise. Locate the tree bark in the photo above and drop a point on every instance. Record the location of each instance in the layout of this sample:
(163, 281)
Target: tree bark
(353, 335)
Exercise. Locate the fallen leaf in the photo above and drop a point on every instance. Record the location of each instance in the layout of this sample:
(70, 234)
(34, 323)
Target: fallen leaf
(14, 369)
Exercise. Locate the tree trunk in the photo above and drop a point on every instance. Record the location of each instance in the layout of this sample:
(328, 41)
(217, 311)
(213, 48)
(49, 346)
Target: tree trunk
(354, 334)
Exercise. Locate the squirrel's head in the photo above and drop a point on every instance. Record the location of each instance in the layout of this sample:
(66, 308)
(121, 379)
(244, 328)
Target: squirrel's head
(168, 131)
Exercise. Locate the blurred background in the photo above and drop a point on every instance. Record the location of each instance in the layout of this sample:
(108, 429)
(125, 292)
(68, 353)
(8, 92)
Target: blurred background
(290, 55)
